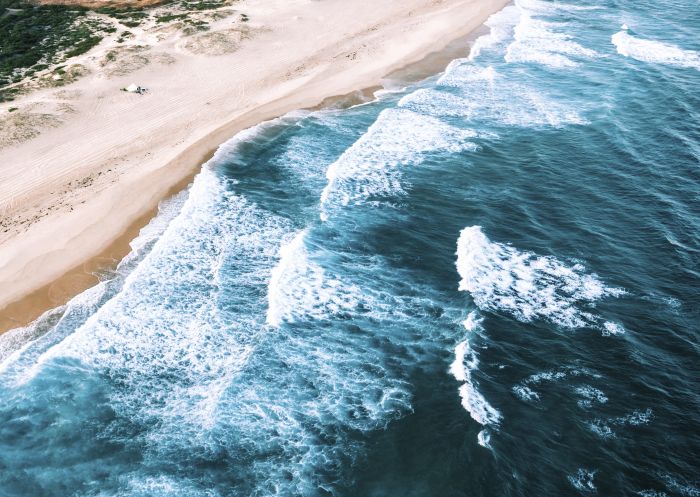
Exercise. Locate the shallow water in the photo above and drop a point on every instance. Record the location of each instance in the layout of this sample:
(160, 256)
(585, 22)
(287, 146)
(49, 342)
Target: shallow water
(482, 284)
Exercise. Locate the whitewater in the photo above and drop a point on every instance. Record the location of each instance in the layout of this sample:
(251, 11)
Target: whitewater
(482, 283)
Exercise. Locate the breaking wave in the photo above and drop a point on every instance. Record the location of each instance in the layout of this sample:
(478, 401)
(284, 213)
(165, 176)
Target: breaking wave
(654, 52)
(466, 361)
(299, 287)
(371, 167)
(542, 41)
(501, 278)
(490, 96)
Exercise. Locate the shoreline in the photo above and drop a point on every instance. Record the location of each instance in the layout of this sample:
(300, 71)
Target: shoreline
(103, 247)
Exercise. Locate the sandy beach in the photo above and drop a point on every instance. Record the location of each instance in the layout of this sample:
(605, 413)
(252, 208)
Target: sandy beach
(83, 166)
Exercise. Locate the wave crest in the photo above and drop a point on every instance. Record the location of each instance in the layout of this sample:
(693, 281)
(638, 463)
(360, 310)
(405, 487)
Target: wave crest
(654, 52)
(501, 278)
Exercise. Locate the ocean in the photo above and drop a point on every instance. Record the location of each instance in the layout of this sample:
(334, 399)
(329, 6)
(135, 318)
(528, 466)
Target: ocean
(484, 283)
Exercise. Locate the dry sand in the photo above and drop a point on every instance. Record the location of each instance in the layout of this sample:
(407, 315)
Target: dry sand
(81, 167)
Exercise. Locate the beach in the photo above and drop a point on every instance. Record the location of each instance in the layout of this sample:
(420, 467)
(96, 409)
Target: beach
(89, 170)
(431, 274)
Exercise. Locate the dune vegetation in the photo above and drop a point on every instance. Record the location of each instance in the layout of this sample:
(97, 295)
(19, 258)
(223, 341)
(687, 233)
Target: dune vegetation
(37, 40)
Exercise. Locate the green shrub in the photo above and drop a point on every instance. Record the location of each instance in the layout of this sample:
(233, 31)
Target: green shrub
(204, 5)
(170, 17)
(83, 46)
(8, 95)
(32, 37)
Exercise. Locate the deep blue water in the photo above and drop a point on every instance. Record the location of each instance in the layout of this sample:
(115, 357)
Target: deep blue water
(484, 284)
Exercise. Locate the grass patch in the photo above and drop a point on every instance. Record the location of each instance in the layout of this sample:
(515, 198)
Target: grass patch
(129, 17)
(83, 46)
(8, 94)
(205, 5)
(125, 36)
(131, 24)
(170, 17)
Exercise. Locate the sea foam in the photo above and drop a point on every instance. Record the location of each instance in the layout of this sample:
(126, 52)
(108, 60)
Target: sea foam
(501, 25)
(525, 389)
(485, 94)
(371, 167)
(654, 52)
(605, 428)
(589, 395)
(465, 362)
(301, 288)
(545, 42)
(583, 480)
(528, 287)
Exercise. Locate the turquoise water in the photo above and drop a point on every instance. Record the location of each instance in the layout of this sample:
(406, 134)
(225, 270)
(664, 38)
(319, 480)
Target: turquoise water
(482, 284)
